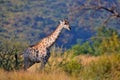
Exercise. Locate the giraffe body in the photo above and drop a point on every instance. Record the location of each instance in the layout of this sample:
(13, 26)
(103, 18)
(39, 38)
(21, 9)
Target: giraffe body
(40, 52)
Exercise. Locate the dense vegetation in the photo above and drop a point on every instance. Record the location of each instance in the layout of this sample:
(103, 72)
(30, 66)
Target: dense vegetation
(32, 20)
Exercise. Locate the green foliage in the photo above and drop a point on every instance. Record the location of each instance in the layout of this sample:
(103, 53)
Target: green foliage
(72, 67)
(106, 41)
(11, 55)
(85, 48)
(30, 20)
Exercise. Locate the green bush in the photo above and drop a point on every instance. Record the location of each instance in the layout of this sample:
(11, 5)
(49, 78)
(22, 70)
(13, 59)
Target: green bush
(84, 48)
(72, 67)
(11, 55)
(106, 41)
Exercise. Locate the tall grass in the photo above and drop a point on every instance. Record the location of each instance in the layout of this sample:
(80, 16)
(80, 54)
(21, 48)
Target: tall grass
(105, 67)
(21, 75)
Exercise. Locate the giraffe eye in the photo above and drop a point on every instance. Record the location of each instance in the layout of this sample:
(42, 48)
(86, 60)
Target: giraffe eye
(66, 22)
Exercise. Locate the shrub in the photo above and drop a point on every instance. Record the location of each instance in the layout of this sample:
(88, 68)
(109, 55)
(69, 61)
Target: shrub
(10, 55)
(72, 67)
(84, 48)
(106, 41)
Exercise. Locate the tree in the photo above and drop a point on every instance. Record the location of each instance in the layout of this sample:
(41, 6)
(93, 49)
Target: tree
(97, 12)
(106, 41)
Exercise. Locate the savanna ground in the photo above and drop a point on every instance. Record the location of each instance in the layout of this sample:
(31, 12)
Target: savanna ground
(82, 67)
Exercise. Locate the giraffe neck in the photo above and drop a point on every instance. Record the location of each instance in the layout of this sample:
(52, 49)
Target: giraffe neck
(56, 33)
(50, 40)
(54, 36)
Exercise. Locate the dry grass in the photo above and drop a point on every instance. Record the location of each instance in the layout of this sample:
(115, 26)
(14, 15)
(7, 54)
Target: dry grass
(34, 74)
(92, 66)
(86, 59)
(22, 75)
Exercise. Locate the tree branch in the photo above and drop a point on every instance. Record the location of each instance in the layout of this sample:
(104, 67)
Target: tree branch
(111, 10)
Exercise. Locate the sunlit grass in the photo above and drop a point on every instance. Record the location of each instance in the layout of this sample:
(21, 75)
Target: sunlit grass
(22, 75)
(103, 67)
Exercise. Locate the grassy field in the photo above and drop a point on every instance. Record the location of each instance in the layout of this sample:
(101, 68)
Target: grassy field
(21, 75)
(104, 67)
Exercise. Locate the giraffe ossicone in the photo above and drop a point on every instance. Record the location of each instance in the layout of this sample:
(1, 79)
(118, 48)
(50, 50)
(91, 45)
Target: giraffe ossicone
(40, 52)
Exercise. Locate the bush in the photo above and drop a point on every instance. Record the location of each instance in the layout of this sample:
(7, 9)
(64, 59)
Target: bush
(106, 41)
(84, 48)
(72, 67)
(10, 55)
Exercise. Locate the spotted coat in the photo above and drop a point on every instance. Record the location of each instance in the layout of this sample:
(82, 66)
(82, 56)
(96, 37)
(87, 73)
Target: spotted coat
(40, 52)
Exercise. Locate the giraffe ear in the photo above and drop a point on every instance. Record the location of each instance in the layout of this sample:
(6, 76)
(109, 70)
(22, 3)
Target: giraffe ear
(60, 22)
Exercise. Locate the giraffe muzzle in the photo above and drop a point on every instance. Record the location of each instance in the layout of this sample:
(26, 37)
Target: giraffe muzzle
(69, 28)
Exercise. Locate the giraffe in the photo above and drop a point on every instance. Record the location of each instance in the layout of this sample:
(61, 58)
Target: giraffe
(40, 52)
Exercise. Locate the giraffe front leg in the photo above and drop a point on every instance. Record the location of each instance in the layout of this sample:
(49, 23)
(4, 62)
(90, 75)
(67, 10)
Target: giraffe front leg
(44, 60)
(42, 66)
(27, 63)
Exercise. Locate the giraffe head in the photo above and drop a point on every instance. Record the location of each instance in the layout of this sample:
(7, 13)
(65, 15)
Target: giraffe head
(65, 24)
